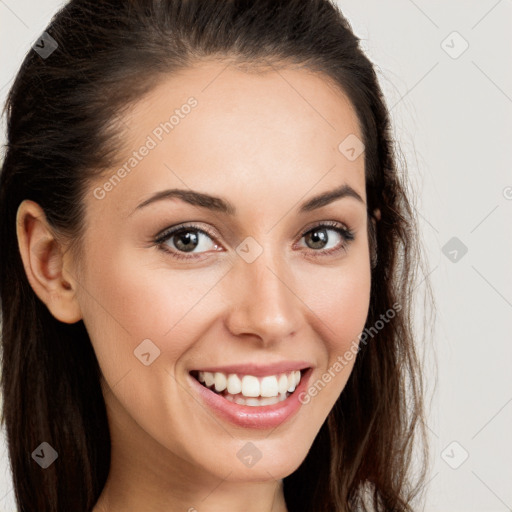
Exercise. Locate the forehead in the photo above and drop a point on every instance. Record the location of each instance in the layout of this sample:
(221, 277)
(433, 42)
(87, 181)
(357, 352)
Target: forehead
(214, 125)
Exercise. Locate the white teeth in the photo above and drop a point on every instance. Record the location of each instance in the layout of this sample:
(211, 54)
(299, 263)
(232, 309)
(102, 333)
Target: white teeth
(209, 379)
(282, 385)
(250, 386)
(297, 378)
(270, 386)
(294, 380)
(220, 381)
(269, 400)
(234, 385)
(256, 402)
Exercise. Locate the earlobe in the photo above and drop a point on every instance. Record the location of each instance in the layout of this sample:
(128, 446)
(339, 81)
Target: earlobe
(43, 260)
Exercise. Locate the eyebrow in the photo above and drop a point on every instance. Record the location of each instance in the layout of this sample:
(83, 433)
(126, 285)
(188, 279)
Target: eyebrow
(222, 206)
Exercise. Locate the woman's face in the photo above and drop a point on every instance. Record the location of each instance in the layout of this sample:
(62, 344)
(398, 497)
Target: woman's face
(259, 288)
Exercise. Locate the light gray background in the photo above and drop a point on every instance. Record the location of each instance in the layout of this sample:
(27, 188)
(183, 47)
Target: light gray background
(452, 115)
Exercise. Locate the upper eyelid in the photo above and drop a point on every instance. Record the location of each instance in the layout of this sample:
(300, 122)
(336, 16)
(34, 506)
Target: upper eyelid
(170, 231)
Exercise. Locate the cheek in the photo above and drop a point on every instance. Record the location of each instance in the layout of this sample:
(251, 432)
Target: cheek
(339, 309)
(339, 298)
(128, 301)
(349, 305)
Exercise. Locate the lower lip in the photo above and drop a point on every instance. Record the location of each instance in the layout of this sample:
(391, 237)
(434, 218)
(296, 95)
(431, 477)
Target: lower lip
(260, 417)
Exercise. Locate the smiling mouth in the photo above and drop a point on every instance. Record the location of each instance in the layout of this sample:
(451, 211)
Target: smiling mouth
(244, 389)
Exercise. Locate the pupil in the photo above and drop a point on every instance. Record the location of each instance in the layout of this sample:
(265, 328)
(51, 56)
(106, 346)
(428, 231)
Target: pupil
(319, 237)
(189, 238)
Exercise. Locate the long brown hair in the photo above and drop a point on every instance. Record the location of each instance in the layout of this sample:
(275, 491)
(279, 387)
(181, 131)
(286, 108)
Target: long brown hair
(60, 111)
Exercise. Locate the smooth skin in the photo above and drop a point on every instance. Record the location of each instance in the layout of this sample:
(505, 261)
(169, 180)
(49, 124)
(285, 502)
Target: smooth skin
(266, 142)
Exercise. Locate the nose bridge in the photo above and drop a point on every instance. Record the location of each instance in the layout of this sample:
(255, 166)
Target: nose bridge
(265, 303)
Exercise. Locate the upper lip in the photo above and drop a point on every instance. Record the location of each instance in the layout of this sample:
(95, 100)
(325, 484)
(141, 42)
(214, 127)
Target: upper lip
(258, 370)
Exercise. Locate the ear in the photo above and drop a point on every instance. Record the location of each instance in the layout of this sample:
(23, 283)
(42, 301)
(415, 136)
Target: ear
(44, 258)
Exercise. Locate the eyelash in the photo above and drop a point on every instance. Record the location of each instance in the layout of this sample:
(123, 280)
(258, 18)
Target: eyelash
(346, 233)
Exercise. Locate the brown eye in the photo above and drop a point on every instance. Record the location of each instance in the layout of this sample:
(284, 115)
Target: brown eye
(185, 239)
(319, 237)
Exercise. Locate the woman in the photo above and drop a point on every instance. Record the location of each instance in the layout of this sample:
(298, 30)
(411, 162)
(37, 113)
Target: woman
(206, 265)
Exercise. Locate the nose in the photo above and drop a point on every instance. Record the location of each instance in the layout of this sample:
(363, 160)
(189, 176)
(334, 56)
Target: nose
(263, 302)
